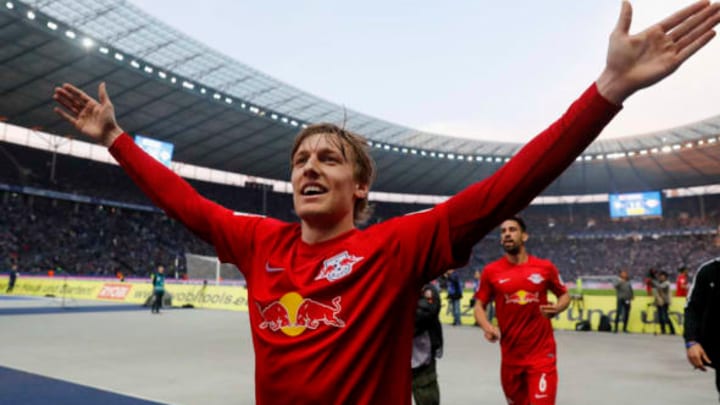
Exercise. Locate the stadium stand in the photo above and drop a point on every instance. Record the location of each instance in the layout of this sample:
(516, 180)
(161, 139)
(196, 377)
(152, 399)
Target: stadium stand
(101, 237)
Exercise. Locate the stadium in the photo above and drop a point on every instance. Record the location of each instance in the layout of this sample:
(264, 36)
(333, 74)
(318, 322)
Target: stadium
(86, 239)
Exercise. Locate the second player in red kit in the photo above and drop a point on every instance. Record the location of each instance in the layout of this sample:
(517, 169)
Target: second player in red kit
(519, 283)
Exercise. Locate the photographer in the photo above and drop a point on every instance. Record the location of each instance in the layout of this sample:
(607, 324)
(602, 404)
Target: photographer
(427, 346)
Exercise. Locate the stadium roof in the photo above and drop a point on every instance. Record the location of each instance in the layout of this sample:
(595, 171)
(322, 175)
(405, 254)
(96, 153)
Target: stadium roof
(223, 114)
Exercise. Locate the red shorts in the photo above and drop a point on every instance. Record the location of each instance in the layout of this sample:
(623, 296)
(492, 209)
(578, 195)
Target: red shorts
(532, 384)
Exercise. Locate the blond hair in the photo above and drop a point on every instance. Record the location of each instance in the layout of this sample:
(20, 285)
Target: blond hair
(363, 163)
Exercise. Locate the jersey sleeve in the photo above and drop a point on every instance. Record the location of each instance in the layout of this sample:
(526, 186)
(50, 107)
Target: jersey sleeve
(555, 283)
(423, 240)
(217, 225)
(482, 206)
(485, 292)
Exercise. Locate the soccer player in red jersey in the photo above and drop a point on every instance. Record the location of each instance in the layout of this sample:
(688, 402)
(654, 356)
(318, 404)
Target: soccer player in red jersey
(682, 282)
(518, 283)
(332, 306)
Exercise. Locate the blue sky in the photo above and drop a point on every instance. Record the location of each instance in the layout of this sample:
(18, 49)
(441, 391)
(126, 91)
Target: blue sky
(478, 69)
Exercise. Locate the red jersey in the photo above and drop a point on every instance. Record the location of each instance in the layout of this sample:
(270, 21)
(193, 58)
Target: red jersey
(526, 335)
(682, 285)
(332, 322)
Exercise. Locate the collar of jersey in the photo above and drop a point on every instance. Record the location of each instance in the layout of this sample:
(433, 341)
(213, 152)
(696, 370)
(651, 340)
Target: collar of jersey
(306, 249)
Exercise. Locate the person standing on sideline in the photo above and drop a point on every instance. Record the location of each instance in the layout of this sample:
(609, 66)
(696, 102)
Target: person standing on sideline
(518, 283)
(661, 293)
(12, 278)
(625, 295)
(702, 319)
(427, 346)
(158, 282)
(682, 283)
(331, 305)
(454, 295)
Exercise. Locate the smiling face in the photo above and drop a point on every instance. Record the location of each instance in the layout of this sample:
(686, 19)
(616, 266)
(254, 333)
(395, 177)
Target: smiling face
(324, 180)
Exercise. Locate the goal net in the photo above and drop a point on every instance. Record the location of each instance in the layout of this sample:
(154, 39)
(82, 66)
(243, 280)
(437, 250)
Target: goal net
(209, 268)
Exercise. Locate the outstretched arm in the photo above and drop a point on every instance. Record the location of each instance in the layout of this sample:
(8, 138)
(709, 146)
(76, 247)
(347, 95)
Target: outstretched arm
(633, 62)
(96, 119)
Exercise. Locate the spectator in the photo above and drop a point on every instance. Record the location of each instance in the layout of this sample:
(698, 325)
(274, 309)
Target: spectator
(454, 295)
(625, 295)
(662, 301)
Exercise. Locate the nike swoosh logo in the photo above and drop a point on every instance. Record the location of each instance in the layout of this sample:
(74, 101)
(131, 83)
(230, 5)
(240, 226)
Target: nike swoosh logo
(271, 269)
(503, 281)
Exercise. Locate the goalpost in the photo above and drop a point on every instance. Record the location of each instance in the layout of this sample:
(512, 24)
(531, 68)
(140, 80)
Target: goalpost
(593, 279)
(210, 268)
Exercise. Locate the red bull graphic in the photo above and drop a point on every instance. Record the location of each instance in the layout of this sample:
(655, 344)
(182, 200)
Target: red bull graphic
(275, 316)
(522, 297)
(292, 314)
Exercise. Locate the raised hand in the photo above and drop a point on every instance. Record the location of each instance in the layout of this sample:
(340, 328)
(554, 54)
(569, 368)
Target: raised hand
(92, 118)
(638, 61)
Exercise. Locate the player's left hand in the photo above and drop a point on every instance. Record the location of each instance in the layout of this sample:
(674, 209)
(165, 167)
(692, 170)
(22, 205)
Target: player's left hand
(638, 61)
(549, 310)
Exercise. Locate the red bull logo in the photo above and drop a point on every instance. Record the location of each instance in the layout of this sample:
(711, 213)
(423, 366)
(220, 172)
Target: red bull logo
(292, 314)
(338, 266)
(522, 297)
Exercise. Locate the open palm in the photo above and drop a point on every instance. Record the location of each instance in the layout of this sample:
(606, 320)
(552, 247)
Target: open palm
(93, 118)
(640, 60)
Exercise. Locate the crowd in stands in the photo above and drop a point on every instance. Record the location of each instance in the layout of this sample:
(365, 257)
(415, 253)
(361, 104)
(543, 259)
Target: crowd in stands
(102, 239)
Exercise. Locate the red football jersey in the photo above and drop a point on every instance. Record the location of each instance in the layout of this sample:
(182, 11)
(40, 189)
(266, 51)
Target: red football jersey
(526, 336)
(682, 285)
(332, 322)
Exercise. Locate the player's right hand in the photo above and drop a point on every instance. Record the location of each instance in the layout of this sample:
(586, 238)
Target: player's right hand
(492, 334)
(92, 118)
(697, 357)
